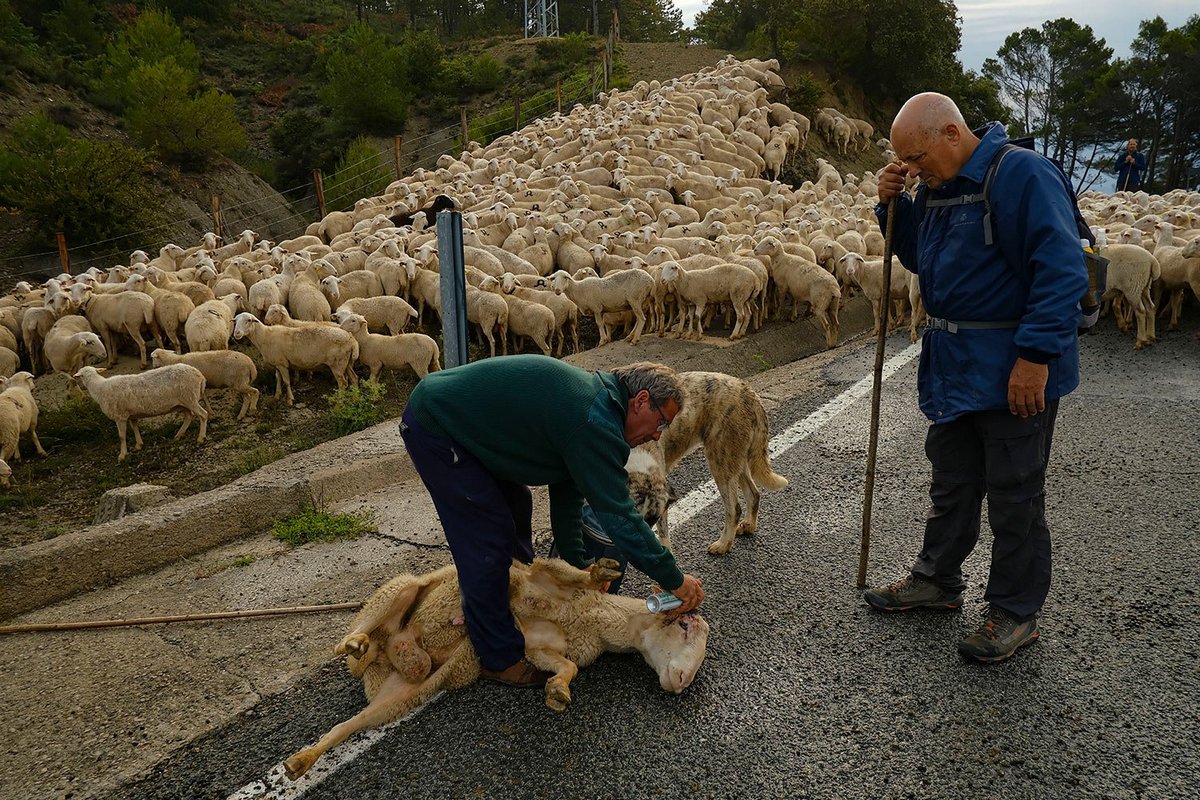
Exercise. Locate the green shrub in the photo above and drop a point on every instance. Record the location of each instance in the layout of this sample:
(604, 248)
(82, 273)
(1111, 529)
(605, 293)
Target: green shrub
(419, 56)
(317, 525)
(182, 127)
(356, 407)
(464, 75)
(361, 172)
(364, 77)
(77, 29)
(257, 458)
(806, 93)
(567, 53)
(90, 190)
(153, 38)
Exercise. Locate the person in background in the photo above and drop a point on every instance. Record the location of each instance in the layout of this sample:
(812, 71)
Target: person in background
(481, 434)
(1000, 349)
(1130, 164)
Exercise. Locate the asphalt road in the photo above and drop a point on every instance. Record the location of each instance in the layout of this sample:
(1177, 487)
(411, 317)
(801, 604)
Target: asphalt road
(806, 693)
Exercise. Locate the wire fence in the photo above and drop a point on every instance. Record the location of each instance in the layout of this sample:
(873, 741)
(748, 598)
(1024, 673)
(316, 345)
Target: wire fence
(286, 214)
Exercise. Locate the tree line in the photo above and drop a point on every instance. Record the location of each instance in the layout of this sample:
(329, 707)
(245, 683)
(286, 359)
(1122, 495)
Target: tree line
(1082, 104)
(1059, 82)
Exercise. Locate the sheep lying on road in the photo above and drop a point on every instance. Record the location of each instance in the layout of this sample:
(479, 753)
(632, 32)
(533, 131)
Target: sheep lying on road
(128, 398)
(406, 648)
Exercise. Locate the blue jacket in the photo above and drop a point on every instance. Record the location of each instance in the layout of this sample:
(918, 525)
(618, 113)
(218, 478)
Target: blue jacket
(1034, 272)
(1137, 167)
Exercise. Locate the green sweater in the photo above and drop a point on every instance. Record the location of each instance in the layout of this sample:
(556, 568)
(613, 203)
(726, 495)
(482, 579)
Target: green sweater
(540, 421)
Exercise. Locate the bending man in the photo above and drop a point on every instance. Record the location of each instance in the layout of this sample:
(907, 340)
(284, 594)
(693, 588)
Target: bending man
(481, 434)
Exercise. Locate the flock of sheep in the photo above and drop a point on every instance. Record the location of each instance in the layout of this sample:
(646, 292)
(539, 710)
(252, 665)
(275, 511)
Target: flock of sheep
(650, 211)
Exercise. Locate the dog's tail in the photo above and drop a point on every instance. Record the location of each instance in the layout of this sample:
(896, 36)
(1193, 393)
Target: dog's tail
(760, 467)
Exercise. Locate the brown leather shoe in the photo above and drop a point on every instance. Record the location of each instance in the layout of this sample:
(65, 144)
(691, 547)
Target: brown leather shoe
(521, 674)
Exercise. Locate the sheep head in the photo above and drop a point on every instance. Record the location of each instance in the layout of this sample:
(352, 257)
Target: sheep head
(244, 321)
(675, 647)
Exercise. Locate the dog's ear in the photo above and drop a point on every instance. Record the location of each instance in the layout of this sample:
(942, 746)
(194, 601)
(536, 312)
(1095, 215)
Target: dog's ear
(671, 496)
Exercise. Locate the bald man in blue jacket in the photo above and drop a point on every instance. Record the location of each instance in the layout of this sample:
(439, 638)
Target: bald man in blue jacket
(1002, 285)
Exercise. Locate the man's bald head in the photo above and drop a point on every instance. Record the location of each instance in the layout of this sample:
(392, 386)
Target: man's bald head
(932, 138)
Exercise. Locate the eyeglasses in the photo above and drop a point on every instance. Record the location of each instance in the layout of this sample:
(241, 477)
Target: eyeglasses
(662, 426)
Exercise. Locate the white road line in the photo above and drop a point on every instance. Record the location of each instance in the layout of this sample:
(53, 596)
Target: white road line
(276, 786)
(703, 495)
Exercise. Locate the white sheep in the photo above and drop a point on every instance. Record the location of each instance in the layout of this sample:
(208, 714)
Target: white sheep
(210, 324)
(624, 289)
(69, 343)
(5, 474)
(128, 398)
(806, 283)
(724, 283)
(171, 309)
(869, 277)
(383, 312)
(18, 413)
(222, 369)
(10, 362)
(375, 351)
(525, 317)
(304, 348)
(566, 313)
(127, 312)
(1131, 271)
(567, 622)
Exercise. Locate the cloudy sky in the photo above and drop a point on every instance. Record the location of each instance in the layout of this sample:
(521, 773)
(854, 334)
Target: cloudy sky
(985, 23)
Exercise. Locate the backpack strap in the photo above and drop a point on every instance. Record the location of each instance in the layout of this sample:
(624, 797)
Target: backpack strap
(981, 197)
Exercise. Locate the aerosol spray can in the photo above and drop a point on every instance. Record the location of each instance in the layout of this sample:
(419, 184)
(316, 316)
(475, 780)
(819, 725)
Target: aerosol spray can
(663, 601)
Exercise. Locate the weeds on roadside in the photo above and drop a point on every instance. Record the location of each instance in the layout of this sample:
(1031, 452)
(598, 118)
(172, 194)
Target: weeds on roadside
(761, 362)
(356, 407)
(315, 524)
(258, 457)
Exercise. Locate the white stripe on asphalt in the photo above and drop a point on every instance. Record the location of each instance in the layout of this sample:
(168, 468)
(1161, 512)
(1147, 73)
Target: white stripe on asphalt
(276, 786)
(705, 494)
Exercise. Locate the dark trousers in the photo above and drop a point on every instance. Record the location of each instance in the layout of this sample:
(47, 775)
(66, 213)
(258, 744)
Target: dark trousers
(1003, 456)
(488, 523)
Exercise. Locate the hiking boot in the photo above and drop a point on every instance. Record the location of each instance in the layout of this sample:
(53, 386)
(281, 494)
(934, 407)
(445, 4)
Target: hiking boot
(521, 674)
(911, 592)
(998, 637)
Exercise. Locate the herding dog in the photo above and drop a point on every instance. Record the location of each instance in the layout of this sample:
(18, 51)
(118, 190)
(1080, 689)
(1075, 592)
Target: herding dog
(722, 414)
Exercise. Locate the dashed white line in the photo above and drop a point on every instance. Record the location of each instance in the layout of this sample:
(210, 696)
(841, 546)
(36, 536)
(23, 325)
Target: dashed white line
(276, 786)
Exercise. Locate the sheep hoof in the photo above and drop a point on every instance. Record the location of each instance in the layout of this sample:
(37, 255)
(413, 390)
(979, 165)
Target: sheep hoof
(558, 694)
(356, 645)
(298, 764)
(605, 570)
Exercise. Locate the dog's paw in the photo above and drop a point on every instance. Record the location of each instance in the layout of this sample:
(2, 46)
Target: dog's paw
(720, 547)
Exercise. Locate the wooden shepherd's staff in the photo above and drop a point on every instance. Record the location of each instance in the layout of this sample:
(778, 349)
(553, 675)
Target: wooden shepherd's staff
(885, 302)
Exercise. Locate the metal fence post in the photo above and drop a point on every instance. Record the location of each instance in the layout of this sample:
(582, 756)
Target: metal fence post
(454, 288)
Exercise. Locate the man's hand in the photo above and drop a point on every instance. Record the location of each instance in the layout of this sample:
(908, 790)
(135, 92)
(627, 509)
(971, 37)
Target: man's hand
(1027, 388)
(891, 181)
(691, 592)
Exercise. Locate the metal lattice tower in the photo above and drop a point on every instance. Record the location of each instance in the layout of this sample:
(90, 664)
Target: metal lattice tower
(541, 18)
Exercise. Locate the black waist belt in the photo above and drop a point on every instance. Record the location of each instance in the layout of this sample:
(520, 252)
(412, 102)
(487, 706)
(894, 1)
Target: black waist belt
(953, 325)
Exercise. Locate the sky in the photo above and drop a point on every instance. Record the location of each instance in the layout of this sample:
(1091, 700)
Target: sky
(985, 23)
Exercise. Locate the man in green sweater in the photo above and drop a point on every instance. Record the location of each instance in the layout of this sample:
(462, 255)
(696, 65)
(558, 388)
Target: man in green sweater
(481, 434)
